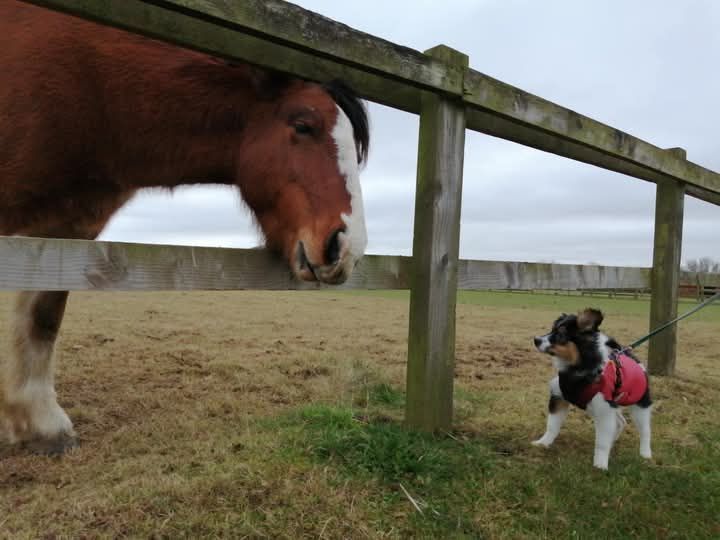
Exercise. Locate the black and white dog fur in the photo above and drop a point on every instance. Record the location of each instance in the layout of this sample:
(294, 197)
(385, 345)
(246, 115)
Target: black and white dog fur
(580, 352)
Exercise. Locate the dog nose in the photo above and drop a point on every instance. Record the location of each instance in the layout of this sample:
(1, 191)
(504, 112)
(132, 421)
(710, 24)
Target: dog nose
(537, 341)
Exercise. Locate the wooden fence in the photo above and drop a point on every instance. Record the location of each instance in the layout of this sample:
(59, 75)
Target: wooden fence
(450, 98)
(699, 286)
(69, 265)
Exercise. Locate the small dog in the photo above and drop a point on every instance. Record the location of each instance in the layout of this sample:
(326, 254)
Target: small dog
(594, 373)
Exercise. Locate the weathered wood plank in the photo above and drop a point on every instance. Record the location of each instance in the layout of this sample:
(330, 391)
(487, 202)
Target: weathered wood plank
(50, 264)
(694, 278)
(53, 264)
(669, 207)
(517, 115)
(491, 124)
(200, 28)
(482, 275)
(436, 240)
(285, 37)
(702, 194)
(283, 22)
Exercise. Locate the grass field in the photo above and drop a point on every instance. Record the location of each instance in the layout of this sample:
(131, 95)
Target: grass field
(279, 415)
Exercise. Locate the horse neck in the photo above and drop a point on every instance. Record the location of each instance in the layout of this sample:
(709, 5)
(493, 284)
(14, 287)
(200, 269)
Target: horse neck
(180, 118)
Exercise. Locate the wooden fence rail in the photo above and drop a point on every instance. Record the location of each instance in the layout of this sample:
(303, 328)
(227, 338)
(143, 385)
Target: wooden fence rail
(282, 36)
(78, 265)
(445, 92)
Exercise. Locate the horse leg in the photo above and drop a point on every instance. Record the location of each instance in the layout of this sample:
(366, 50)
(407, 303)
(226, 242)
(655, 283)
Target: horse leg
(32, 414)
(29, 410)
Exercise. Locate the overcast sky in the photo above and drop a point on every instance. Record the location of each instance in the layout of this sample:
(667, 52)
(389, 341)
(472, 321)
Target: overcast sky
(647, 67)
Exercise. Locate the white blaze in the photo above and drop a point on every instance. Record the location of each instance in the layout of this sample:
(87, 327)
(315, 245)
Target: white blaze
(355, 232)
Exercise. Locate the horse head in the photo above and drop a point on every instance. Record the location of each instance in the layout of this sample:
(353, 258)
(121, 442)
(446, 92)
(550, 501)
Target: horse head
(303, 158)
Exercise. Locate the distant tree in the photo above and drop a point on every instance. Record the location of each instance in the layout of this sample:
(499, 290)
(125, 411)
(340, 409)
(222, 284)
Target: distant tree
(703, 265)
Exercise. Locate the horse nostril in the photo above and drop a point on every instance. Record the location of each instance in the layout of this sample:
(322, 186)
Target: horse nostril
(303, 261)
(333, 248)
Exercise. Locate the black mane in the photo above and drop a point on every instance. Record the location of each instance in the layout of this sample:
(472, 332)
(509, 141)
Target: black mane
(355, 110)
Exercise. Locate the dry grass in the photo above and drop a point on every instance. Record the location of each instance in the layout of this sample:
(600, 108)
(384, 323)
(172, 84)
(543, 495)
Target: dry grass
(186, 405)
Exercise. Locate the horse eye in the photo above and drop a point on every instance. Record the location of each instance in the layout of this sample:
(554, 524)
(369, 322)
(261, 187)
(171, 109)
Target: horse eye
(303, 129)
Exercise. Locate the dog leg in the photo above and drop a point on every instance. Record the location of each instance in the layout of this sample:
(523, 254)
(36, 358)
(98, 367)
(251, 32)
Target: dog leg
(641, 419)
(606, 427)
(620, 423)
(557, 413)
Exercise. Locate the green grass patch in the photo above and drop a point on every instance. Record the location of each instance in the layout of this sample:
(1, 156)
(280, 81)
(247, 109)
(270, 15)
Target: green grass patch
(386, 395)
(440, 473)
(383, 447)
(466, 487)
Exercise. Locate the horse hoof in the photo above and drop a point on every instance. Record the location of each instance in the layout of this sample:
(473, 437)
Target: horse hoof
(53, 447)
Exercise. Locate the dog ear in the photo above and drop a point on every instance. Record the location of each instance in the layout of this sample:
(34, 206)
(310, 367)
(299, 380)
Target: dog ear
(589, 320)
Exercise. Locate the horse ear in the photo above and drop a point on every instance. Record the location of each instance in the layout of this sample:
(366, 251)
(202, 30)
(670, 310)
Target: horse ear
(268, 83)
(589, 320)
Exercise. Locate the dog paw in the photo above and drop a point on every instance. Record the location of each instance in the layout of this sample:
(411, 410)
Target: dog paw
(646, 454)
(601, 463)
(542, 442)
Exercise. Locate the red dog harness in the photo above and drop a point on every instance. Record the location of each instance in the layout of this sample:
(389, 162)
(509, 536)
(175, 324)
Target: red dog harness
(622, 381)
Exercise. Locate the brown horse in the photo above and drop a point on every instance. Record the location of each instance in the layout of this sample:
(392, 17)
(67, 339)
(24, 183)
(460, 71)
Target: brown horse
(90, 114)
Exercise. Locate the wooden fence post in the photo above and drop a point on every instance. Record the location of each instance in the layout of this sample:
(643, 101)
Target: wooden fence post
(431, 342)
(665, 280)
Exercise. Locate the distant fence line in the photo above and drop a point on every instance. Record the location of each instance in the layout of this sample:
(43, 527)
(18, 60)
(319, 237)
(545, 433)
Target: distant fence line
(450, 98)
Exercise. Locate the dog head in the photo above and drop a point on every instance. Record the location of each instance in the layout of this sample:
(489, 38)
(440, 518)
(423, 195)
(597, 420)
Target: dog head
(571, 336)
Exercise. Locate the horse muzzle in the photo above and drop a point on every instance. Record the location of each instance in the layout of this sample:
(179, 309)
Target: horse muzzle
(337, 263)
